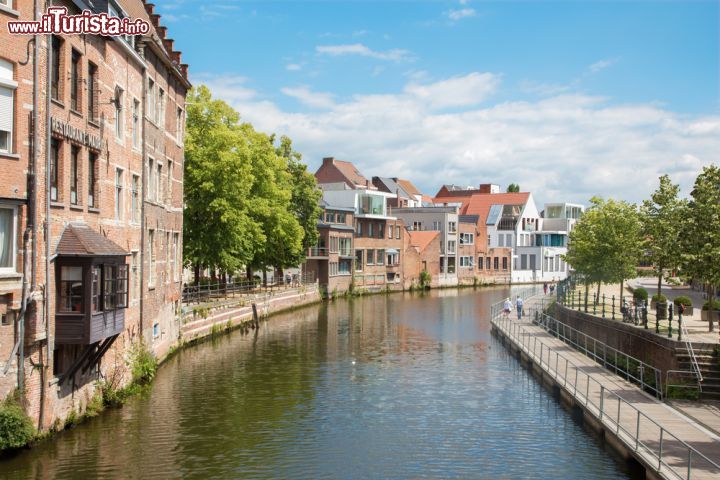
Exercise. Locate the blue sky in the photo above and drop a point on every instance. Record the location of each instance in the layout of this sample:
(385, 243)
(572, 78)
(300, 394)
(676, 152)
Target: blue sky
(471, 91)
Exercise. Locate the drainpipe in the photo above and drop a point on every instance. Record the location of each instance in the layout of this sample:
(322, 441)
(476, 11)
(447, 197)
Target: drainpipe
(48, 137)
(143, 139)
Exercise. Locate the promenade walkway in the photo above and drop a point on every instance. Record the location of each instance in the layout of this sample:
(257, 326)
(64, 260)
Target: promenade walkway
(661, 438)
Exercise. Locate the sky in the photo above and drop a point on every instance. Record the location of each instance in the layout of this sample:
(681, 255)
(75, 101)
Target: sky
(569, 99)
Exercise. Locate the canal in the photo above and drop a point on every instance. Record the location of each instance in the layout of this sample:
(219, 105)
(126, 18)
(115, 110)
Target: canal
(397, 386)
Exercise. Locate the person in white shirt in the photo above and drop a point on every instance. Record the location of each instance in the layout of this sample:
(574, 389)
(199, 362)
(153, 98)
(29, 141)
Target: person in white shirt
(507, 307)
(519, 305)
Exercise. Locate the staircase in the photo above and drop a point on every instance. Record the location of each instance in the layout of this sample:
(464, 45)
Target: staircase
(708, 363)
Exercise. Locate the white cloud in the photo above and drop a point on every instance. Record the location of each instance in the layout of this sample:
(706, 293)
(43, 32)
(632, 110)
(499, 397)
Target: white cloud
(230, 88)
(601, 65)
(462, 91)
(293, 67)
(563, 148)
(359, 49)
(459, 14)
(310, 98)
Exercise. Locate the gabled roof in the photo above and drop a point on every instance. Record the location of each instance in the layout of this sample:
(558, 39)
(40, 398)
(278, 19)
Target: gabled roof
(79, 240)
(421, 238)
(480, 203)
(352, 173)
(408, 186)
(391, 186)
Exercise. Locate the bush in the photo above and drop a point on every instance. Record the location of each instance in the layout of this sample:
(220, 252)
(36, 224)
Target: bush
(143, 364)
(716, 305)
(659, 298)
(16, 428)
(640, 294)
(683, 300)
(425, 279)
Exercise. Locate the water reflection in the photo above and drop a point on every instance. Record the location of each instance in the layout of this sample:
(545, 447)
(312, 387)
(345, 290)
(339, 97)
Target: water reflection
(398, 386)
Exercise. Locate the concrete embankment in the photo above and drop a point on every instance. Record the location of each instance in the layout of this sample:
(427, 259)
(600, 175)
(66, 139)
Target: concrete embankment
(642, 428)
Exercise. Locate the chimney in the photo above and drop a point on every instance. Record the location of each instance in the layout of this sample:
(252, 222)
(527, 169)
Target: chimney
(328, 160)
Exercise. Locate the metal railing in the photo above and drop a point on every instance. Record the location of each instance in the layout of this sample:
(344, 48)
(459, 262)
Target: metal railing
(656, 445)
(632, 369)
(206, 292)
(317, 252)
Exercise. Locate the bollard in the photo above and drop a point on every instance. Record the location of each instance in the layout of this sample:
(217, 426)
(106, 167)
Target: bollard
(670, 319)
(603, 306)
(644, 314)
(679, 326)
(586, 301)
(613, 307)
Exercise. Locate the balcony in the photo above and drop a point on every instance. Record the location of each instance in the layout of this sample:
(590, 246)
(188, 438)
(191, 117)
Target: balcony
(317, 252)
(346, 252)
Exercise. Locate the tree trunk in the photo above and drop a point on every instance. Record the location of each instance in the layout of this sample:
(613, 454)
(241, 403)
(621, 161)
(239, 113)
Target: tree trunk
(659, 284)
(196, 274)
(264, 278)
(597, 294)
(622, 284)
(711, 310)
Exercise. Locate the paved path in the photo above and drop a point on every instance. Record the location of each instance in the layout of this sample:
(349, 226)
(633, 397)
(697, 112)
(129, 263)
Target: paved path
(658, 435)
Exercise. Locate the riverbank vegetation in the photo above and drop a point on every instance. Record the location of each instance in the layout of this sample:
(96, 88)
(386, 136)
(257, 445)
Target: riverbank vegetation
(16, 428)
(250, 203)
(679, 237)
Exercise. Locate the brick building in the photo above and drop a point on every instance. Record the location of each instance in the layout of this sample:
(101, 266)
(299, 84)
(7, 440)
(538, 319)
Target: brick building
(82, 211)
(422, 253)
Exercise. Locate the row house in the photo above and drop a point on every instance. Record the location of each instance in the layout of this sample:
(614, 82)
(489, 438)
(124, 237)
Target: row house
(422, 253)
(87, 268)
(331, 261)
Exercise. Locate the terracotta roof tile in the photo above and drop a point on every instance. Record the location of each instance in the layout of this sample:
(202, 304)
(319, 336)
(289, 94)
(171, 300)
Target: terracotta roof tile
(81, 240)
(352, 173)
(408, 186)
(480, 203)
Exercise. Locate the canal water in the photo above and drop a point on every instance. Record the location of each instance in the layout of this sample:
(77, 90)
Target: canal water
(396, 386)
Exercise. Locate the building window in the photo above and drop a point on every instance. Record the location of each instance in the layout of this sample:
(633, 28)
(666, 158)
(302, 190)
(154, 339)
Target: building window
(135, 198)
(501, 240)
(56, 64)
(8, 240)
(179, 126)
(109, 287)
(344, 267)
(452, 227)
(75, 89)
(92, 92)
(176, 261)
(160, 110)
(496, 263)
(92, 179)
(358, 260)
(54, 168)
(151, 99)
(505, 263)
(523, 262)
(370, 257)
(380, 257)
(151, 247)
(121, 286)
(7, 106)
(381, 231)
(118, 194)
(136, 123)
(417, 226)
(370, 230)
(390, 232)
(359, 228)
(71, 289)
(135, 276)
(436, 225)
(345, 247)
(452, 246)
(74, 154)
(159, 186)
(467, 262)
(95, 295)
(168, 258)
(487, 263)
(151, 179)
(118, 112)
(488, 240)
(467, 239)
(397, 232)
(168, 190)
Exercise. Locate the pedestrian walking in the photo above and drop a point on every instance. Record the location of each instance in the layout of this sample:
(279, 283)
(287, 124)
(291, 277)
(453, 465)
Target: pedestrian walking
(507, 307)
(545, 288)
(519, 305)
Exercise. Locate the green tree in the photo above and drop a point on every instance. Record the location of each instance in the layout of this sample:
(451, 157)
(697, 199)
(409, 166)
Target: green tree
(604, 245)
(219, 232)
(513, 188)
(702, 237)
(662, 225)
(305, 198)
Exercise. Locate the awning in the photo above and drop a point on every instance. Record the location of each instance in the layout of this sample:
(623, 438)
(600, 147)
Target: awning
(79, 240)
(391, 251)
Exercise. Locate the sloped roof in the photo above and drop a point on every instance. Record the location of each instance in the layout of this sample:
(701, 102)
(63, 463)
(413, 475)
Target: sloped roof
(408, 186)
(350, 172)
(421, 238)
(79, 240)
(480, 203)
(392, 187)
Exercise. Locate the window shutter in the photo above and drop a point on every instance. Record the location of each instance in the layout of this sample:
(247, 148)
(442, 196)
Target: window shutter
(6, 109)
